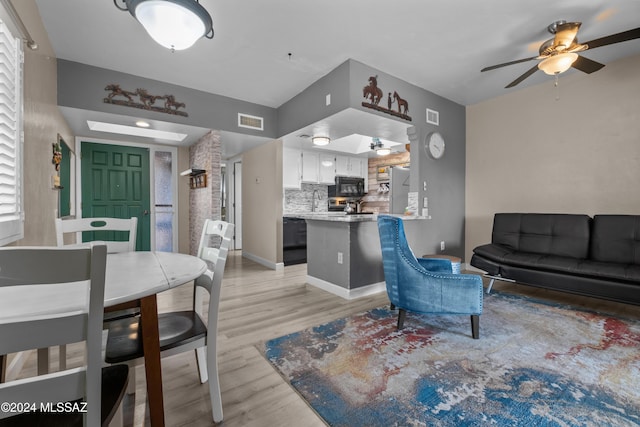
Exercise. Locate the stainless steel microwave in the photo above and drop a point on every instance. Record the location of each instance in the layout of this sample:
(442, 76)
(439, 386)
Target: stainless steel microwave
(347, 186)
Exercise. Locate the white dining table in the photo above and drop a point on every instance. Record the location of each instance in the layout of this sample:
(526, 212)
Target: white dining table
(132, 279)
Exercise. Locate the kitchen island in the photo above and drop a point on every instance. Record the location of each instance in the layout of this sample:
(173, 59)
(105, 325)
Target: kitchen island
(343, 252)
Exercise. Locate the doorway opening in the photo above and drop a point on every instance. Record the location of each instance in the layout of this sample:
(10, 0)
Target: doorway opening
(157, 184)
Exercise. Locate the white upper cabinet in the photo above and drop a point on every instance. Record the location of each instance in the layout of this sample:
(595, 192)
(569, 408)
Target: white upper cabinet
(312, 167)
(291, 168)
(310, 171)
(318, 168)
(327, 169)
(351, 166)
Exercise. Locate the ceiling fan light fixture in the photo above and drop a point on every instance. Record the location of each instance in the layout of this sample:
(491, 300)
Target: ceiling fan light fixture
(321, 140)
(380, 149)
(174, 24)
(557, 64)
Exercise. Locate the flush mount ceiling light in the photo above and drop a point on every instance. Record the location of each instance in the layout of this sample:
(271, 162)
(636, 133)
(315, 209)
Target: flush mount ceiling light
(142, 124)
(321, 140)
(381, 150)
(174, 24)
(557, 64)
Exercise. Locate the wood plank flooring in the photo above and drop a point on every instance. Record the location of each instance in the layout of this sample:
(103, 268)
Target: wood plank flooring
(258, 304)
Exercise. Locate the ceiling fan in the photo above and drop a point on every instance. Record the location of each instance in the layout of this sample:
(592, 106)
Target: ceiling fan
(560, 53)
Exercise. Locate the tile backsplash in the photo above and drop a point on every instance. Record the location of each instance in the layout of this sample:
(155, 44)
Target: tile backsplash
(300, 201)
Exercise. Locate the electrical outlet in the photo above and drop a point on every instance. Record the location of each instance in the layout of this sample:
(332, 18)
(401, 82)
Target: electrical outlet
(327, 99)
(340, 258)
(442, 245)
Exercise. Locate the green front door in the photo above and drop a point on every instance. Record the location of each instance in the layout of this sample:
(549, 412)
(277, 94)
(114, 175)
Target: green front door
(115, 183)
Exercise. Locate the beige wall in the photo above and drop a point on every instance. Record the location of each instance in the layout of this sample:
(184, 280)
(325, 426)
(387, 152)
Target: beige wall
(528, 152)
(42, 123)
(262, 203)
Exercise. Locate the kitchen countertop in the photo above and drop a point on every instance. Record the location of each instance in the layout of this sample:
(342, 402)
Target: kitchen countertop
(343, 217)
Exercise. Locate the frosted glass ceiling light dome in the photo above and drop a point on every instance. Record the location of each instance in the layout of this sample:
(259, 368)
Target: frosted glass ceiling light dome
(174, 24)
(557, 64)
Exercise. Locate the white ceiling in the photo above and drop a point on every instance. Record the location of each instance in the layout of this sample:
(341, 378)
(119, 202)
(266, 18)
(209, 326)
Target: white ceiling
(439, 45)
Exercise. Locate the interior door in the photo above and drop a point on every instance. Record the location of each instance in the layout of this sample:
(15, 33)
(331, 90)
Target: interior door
(115, 183)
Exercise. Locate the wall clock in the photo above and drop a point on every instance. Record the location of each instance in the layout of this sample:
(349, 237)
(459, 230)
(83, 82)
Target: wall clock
(434, 145)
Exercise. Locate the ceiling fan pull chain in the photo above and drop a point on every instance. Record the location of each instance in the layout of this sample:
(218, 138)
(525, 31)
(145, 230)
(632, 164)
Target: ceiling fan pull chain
(555, 83)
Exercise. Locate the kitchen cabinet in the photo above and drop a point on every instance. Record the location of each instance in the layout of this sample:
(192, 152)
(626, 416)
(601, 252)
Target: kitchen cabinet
(291, 168)
(318, 168)
(310, 173)
(327, 169)
(351, 166)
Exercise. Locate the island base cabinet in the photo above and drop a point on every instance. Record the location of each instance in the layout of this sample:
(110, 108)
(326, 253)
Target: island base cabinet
(346, 254)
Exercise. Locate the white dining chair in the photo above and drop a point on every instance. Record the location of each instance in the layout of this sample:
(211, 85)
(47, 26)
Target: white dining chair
(182, 331)
(104, 229)
(25, 274)
(119, 234)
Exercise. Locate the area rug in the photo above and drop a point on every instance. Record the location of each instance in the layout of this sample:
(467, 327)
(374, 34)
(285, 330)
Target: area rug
(535, 364)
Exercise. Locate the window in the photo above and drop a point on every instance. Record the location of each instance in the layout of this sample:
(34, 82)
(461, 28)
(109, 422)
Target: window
(11, 137)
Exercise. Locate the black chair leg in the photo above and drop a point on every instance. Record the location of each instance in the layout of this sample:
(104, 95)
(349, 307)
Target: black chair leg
(401, 316)
(392, 307)
(475, 326)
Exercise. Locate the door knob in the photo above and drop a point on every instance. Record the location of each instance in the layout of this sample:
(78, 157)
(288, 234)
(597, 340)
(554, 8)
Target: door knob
(145, 212)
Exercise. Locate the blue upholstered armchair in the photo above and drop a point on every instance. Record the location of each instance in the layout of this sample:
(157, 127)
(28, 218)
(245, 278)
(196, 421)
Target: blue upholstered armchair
(425, 285)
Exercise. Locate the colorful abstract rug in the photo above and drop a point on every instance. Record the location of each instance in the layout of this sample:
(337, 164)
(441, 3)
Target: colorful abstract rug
(535, 364)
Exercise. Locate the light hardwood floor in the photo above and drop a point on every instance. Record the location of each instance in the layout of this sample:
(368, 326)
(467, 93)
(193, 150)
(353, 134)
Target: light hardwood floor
(258, 304)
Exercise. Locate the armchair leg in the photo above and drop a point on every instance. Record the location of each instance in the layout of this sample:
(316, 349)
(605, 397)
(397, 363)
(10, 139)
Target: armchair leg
(401, 316)
(475, 326)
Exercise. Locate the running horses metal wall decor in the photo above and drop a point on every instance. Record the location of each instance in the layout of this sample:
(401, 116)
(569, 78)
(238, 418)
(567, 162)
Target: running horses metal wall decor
(373, 94)
(146, 101)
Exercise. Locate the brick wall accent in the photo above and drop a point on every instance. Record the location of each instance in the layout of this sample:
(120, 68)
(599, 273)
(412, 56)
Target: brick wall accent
(204, 202)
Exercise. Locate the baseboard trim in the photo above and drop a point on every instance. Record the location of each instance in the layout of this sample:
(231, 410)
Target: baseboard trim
(345, 293)
(269, 264)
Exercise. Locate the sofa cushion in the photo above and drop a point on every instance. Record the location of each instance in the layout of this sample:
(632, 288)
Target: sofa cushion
(610, 271)
(564, 235)
(557, 264)
(616, 238)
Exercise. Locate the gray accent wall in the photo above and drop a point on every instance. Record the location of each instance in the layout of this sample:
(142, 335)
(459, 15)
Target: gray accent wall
(83, 86)
(309, 106)
(445, 178)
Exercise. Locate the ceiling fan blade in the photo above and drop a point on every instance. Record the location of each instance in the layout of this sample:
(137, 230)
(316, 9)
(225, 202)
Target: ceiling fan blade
(586, 65)
(614, 38)
(566, 34)
(522, 77)
(493, 67)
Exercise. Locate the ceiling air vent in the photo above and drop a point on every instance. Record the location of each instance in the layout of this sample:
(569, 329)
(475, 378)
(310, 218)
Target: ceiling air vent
(433, 117)
(251, 122)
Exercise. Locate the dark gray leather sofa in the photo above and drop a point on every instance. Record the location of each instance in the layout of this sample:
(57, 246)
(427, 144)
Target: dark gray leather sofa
(597, 257)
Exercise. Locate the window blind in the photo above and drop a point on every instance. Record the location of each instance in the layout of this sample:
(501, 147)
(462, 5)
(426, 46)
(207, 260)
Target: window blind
(11, 211)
